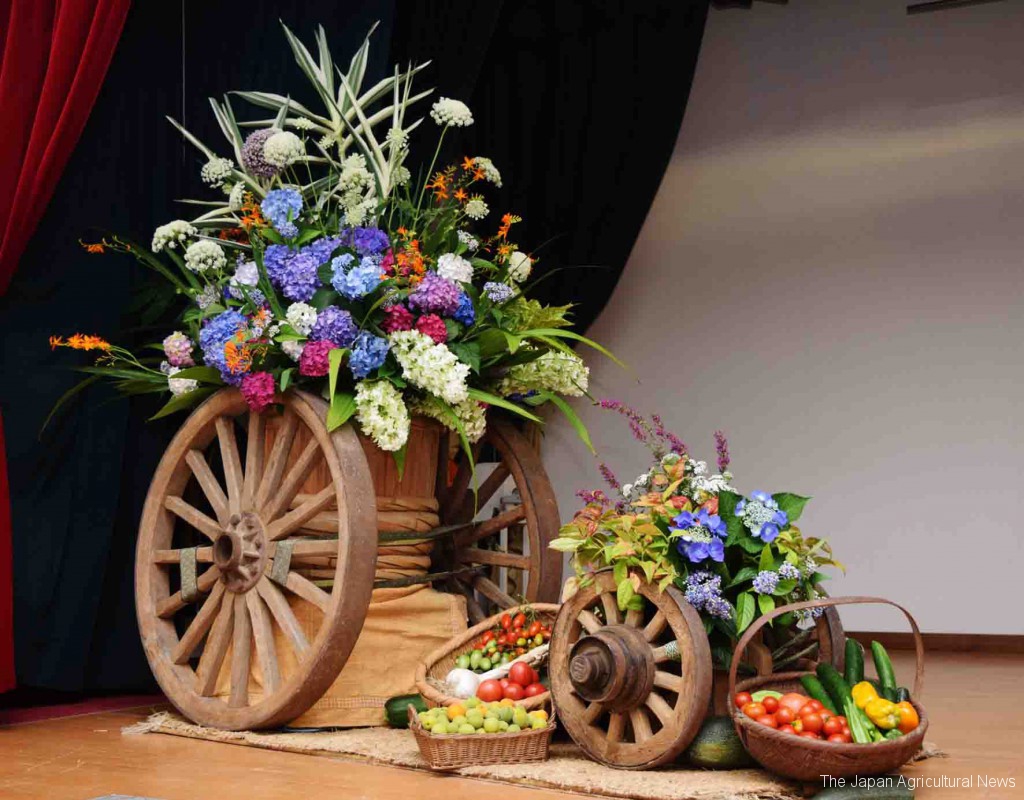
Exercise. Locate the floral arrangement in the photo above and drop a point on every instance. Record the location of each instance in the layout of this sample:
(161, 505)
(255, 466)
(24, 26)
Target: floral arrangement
(322, 264)
(734, 556)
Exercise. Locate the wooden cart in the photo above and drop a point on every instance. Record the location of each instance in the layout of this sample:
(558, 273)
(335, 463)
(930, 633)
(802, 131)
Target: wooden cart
(236, 516)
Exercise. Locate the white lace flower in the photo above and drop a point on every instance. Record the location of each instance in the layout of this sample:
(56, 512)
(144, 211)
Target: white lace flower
(451, 112)
(302, 123)
(326, 142)
(283, 149)
(204, 255)
(354, 174)
(455, 268)
(236, 196)
(519, 266)
(554, 371)
(293, 349)
(476, 208)
(301, 316)
(430, 366)
(382, 414)
(400, 176)
(171, 235)
(468, 239)
(470, 414)
(216, 171)
(397, 139)
(490, 171)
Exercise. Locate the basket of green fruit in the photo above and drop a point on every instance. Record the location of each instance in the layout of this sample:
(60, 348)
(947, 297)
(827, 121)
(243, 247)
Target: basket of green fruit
(475, 732)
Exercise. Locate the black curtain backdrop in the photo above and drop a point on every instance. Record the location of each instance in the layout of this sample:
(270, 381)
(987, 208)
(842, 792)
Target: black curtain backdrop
(578, 104)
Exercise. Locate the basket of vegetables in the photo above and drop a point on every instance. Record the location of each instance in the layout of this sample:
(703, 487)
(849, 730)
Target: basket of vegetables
(807, 724)
(500, 658)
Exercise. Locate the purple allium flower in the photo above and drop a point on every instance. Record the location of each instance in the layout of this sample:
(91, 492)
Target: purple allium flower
(369, 241)
(435, 294)
(356, 281)
(766, 581)
(282, 207)
(368, 353)
(252, 154)
(722, 448)
(465, 313)
(498, 292)
(178, 349)
(789, 571)
(700, 535)
(762, 516)
(334, 325)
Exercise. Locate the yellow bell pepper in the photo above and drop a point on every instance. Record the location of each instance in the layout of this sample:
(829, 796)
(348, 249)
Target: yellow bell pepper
(908, 717)
(863, 693)
(884, 714)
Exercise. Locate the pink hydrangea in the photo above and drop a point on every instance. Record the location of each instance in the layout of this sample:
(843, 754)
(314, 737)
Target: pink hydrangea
(178, 349)
(313, 362)
(387, 264)
(397, 318)
(258, 390)
(433, 326)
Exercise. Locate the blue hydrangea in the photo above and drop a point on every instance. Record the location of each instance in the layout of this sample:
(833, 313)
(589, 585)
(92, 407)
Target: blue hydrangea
(275, 259)
(369, 241)
(700, 535)
(766, 581)
(762, 516)
(356, 281)
(282, 207)
(789, 571)
(498, 292)
(217, 333)
(335, 325)
(322, 249)
(368, 353)
(465, 313)
(298, 278)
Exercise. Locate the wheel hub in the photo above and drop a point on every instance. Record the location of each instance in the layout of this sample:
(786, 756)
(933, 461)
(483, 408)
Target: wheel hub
(614, 667)
(240, 552)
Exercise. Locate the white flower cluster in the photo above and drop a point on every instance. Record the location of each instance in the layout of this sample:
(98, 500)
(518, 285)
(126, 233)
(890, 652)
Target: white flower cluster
(451, 112)
(301, 316)
(356, 185)
(490, 171)
(470, 414)
(293, 350)
(246, 274)
(205, 255)
(455, 268)
(430, 366)
(302, 123)
(468, 239)
(398, 139)
(208, 296)
(171, 235)
(283, 149)
(709, 484)
(476, 208)
(382, 414)
(177, 386)
(216, 171)
(519, 266)
(555, 371)
(236, 196)
(637, 487)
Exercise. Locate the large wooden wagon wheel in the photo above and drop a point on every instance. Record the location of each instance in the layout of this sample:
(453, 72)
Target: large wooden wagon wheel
(504, 556)
(215, 593)
(631, 688)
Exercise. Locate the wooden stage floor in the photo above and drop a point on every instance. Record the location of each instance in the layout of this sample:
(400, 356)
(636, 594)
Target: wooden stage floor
(975, 702)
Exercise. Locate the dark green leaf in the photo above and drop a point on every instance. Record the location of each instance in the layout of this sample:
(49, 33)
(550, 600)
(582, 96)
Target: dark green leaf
(574, 420)
(343, 406)
(745, 574)
(792, 504)
(467, 353)
(500, 402)
(183, 401)
(744, 611)
(201, 374)
(766, 603)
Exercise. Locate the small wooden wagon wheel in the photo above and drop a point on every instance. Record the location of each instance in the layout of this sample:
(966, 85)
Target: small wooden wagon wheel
(508, 545)
(631, 688)
(238, 580)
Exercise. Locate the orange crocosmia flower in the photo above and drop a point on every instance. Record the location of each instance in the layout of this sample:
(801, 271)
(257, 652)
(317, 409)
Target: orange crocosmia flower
(237, 355)
(402, 231)
(55, 342)
(479, 174)
(504, 250)
(80, 341)
(507, 221)
(439, 182)
(468, 163)
(460, 195)
(93, 247)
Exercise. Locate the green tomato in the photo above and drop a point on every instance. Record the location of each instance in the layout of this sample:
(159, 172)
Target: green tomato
(485, 664)
(506, 657)
(459, 721)
(475, 718)
(503, 726)
(471, 702)
(466, 728)
(491, 725)
(514, 729)
(462, 662)
(440, 728)
(505, 713)
(538, 639)
(474, 659)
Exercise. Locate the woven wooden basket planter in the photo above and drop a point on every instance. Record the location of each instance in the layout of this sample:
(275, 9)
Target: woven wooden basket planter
(435, 667)
(454, 750)
(807, 759)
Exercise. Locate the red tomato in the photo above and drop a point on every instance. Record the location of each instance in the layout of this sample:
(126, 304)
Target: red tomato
(832, 727)
(519, 620)
(785, 715)
(535, 689)
(754, 710)
(536, 677)
(826, 715)
(742, 699)
(816, 705)
(534, 628)
(504, 682)
(506, 621)
(842, 720)
(812, 722)
(846, 732)
(767, 720)
(838, 738)
(809, 735)
(487, 637)
(771, 704)
(513, 691)
(793, 701)
(521, 673)
(489, 691)
(787, 729)
(502, 640)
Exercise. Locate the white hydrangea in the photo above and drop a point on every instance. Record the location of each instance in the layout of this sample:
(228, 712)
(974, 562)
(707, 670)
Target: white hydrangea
(172, 234)
(246, 274)
(302, 123)
(476, 208)
(555, 371)
(519, 266)
(301, 316)
(283, 149)
(490, 171)
(471, 415)
(178, 386)
(455, 268)
(468, 239)
(709, 484)
(451, 112)
(236, 196)
(293, 350)
(205, 255)
(432, 367)
(216, 171)
(382, 414)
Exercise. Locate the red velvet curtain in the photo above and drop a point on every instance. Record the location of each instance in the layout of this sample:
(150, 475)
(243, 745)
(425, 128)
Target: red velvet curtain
(55, 56)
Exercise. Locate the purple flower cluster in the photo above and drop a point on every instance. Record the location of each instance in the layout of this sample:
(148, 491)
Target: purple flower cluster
(252, 154)
(704, 593)
(498, 292)
(322, 249)
(609, 476)
(368, 353)
(651, 433)
(722, 448)
(766, 581)
(789, 571)
(435, 294)
(295, 272)
(589, 496)
(335, 325)
(217, 333)
(282, 207)
(366, 241)
(762, 516)
(700, 535)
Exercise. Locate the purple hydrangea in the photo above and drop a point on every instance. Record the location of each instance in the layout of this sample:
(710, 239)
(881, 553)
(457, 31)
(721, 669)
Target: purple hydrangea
(275, 258)
(368, 353)
(322, 249)
(766, 581)
(334, 325)
(252, 154)
(498, 292)
(298, 277)
(282, 207)
(217, 333)
(465, 313)
(355, 281)
(700, 535)
(435, 294)
(369, 241)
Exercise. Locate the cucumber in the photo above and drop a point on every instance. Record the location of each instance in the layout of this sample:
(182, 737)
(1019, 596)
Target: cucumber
(883, 666)
(716, 746)
(902, 694)
(815, 690)
(757, 697)
(854, 662)
(396, 709)
(835, 684)
(893, 792)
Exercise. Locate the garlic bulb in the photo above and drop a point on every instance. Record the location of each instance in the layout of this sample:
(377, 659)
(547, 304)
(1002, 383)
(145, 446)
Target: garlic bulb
(462, 683)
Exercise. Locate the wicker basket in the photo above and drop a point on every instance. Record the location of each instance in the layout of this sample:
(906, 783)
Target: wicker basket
(435, 667)
(454, 750)
(807, 759)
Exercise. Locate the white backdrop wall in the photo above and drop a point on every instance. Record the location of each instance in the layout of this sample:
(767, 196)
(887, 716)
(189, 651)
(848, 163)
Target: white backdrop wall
(833, 272)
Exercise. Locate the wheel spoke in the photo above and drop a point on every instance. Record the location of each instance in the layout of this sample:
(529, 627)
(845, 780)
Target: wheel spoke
(655, 626)
(292, 482)
(275, 465)
(616, 726)
(496, 558)
(241, 646)
(634, 617)
(232, 462)
(263, 635)
(667, 680)
(667, 652)
(474, 609)
(295, 518)
(209, 484)
(308, 591)
(641, 725)
(171, 605)
(460, 483)
(593, 711)
(254, 447)
(199, 626)
(589, 620)
(493, 592)
(213, 653)
(194, 517)
(491, 484)
(611, 609)
(283, 614)
(488, 527)
(662, 710)
(204, 555)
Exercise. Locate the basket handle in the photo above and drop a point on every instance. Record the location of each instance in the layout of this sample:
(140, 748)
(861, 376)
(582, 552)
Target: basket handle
(825, 602)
